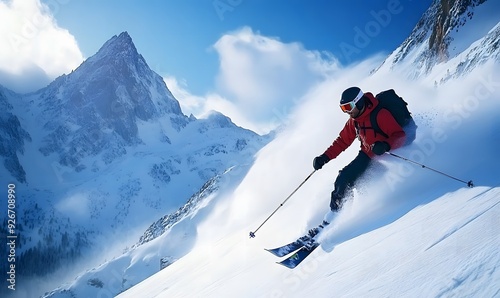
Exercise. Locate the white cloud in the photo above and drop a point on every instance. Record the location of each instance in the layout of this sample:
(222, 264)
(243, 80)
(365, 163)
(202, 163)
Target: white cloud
(190, 104)
(260, 79)
(202, 106)
(34, 50)
(262, 74)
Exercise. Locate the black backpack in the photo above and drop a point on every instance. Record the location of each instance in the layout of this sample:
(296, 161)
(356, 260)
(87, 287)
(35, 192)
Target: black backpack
(398, 108)
(392, 102)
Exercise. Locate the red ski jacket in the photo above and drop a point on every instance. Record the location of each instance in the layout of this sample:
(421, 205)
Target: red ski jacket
(366, 133)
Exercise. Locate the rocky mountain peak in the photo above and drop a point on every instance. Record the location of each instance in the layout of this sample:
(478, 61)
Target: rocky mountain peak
(447, 30)
(120, 43)
(450, 15)
(119, 47)
(96, 109)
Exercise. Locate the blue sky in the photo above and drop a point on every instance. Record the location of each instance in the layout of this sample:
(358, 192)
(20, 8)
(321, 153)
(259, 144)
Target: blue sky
(176, 37)
(213, 54)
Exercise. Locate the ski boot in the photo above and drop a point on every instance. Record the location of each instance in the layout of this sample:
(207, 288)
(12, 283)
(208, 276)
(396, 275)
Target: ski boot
(308, 240)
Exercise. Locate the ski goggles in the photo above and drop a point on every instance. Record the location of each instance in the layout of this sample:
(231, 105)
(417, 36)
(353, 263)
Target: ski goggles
(349, 106)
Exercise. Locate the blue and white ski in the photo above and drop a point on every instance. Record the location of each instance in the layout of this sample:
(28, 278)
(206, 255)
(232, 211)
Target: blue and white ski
(288, 248)
(300, 255)
(301, 248)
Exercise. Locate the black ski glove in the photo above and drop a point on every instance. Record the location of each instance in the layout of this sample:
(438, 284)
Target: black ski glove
(380, 148)
(320, 161)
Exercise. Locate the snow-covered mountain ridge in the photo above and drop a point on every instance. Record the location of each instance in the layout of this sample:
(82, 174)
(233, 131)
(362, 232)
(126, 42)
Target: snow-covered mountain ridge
(463, 30)
(101, 104)
(12, 138)
(101, 152)
(166, 222)
(164, 242)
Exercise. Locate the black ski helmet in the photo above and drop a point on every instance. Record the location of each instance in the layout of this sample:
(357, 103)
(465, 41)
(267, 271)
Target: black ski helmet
(351, 94)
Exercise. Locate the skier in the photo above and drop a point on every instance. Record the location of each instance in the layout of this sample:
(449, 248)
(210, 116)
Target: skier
(359, 106)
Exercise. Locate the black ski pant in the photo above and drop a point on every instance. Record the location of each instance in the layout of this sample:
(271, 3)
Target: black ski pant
(347, 177)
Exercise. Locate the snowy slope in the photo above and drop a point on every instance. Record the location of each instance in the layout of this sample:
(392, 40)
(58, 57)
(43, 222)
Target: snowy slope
(408, 232)
(423, 254)
(398, 220)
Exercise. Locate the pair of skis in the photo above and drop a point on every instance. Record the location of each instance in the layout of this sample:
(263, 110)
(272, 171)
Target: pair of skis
(300, 249)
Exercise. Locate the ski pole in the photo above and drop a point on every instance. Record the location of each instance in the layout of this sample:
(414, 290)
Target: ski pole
(469, 183)
(252, 234)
